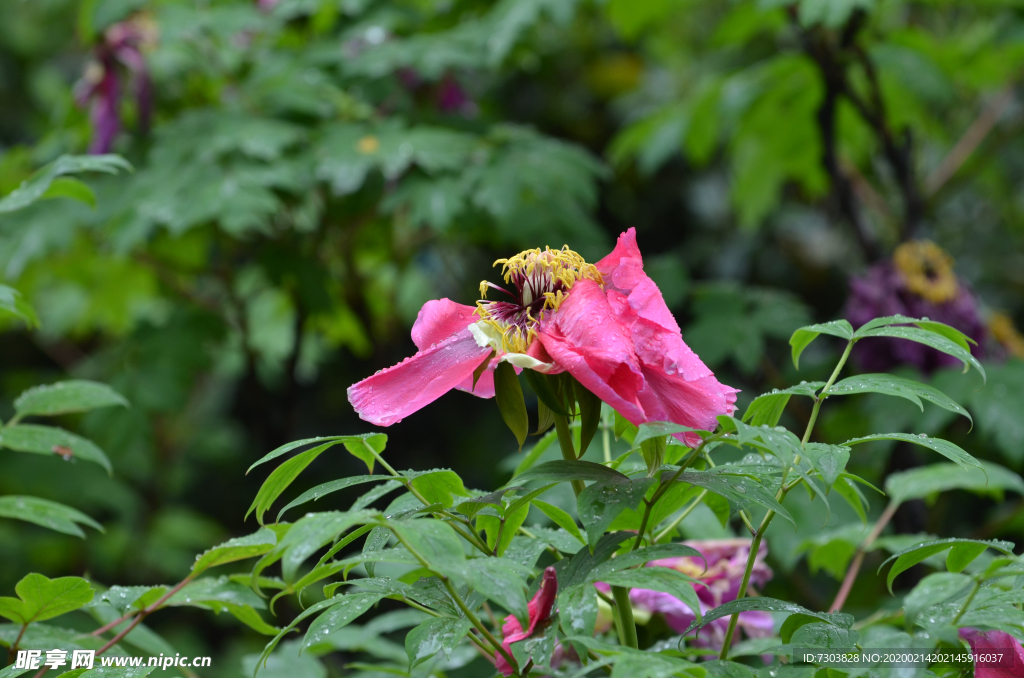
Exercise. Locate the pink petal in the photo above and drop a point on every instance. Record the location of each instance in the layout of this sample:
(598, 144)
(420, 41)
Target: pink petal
(985, 642)
(440, 319)
(538, 610)
(668, 397)
(583, 337)
(391, 395)
(639, 306)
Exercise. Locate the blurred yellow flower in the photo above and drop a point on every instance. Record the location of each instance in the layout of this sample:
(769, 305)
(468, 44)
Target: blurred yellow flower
(927, 270)
(1006, 333)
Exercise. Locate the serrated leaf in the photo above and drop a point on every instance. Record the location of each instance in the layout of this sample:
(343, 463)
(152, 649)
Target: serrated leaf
(802, 337)
(77, 395)
(53, 441)
(947, 449)
(46, 513)
(509, 396)
(897, 386)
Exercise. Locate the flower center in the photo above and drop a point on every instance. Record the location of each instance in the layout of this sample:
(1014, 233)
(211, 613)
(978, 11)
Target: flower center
(539, 281)
(927, 270)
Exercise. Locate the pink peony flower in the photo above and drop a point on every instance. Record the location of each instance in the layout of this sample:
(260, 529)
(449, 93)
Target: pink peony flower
(606, 324)
(989, 642)
(539, 611)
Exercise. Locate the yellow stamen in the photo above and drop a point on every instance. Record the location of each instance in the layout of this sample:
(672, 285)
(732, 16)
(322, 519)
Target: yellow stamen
(927, 270)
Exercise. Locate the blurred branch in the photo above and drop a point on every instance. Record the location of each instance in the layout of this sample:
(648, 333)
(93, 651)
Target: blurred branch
(969, 142)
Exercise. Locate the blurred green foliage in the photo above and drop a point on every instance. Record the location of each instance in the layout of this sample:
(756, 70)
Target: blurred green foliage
(317, 169)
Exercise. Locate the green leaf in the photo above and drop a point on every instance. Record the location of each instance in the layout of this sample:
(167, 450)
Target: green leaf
(820, 635)
(545, 392)
(560, 518)
(951, 333)
(12, 302)
(327, 488)
(281, 477)
(655, 429)
(376, 440)
(509, 396)
(625, 429)
(434, 540)
(802, 338)
(501, 581)
(664, 579)
(739, 489)
(535, 452)
(362, 447)
(439, 634)
(947, 449)
(345, 610)
(77, 395)
(437, 486)
(929, 338)
(766, 409)
(642, 556)
(897, 386)
(47, 514)
(67, 187)
(577, 610)
(829, 460)
(590, 415)
(962, 555)
(562, 470)
(599, 504)
(288, 662)
(909, 557)
(52, 440)
(41, 598)
(769, 605)
(36, 186)
(308, 534)
(925, 481)
(935, 589)
(239, 548)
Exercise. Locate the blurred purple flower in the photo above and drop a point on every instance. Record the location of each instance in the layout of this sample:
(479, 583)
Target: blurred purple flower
(100, 86)
(918, 282)
(726, 561)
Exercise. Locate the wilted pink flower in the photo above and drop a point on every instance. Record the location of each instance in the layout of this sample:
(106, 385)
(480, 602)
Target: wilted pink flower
(995, 642)
(605, 324)
(123, 44)
(918, 282)
(726, 561)
(538, 610)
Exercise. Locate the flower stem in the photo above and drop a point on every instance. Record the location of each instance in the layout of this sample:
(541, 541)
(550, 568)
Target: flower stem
(755, 544)
(568, 449)
(967, 603)
(858, 560)
(624, 610)
(681, 517)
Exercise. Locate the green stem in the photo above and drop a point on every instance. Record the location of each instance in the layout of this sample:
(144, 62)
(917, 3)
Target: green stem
(681, 517)
(568, 449)
(473, 538)
(662, 489)
(473, 619)
(756, 542)
(625, 613)
(967, 603)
